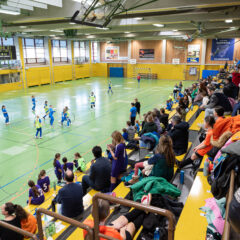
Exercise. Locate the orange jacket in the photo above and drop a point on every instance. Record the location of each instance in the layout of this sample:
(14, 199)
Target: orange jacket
(29, 224)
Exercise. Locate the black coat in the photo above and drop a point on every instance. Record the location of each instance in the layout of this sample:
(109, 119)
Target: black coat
(231, 90)
(179, 135)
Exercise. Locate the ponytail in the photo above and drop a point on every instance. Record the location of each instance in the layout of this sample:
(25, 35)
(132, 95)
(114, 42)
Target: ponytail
(32, 185)
(57, 155)
(65, 163)
(41, 174)
(16, 209)
(77, 154)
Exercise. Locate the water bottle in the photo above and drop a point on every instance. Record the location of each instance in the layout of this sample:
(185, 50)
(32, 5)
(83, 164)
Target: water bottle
(156, 234)
(182, 177)
(206, 168)
(76, 178)
(54, 186)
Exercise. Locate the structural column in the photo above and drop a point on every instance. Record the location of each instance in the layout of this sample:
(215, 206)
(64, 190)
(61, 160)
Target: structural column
(20, 44)
(164, 49)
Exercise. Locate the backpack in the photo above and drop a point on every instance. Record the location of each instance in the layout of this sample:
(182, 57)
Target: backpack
(222, 173)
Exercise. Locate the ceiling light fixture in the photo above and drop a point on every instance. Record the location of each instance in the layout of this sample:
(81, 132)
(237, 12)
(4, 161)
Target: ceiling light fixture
(102, 28)
(138, 18)
(72, 23)
(4, 11)
(228, 21)
(126, 32)
(52, 35)
(175, 30)
(158, 25)
(86, 34)
(23, 33)
(56, 31)
(23, 26)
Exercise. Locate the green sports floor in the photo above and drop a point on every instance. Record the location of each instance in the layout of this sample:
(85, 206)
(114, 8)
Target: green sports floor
(22, 156)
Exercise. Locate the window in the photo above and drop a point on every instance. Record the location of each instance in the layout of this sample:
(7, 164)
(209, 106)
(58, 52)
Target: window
(80, 51)
(6, 41)
(59, 50)
(33, 49)
(95, 55)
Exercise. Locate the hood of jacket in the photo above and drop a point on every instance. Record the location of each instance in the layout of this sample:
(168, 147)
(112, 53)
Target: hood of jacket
(182, 126)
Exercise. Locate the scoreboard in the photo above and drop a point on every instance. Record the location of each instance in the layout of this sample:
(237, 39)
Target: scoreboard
(8, 53)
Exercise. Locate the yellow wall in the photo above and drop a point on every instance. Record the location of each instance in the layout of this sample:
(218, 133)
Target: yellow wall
(62, 73)
(99, 70)
(37, 76)
(82, 70)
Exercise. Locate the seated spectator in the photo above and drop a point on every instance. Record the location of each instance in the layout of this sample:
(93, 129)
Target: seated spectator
(163, 117)
(100, 173)
(168, 105)
(79, 162)
(149, 126)
(157, 112)
(36, 196)
(234, 208)
(218, 113)
(157, 122)
(119, 156)
(130, 131)
(43, 181)
(70, 197)
(67, 165)
(186, 101)
(179, 135)
(202, 148)
(137, 126)
(11, 216)
(125, 134)
(122, 228)
(204, 102)
(236, 108)
(194, 91)
(179, 95)
(216, 99)
(230, 89)
(162, 161)
(180, 112)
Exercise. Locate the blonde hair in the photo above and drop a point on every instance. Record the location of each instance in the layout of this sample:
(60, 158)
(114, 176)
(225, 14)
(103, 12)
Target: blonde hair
(165, 147)
(117, 137)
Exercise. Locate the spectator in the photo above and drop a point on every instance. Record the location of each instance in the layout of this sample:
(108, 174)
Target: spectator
(67, 165)
(234, 208)
(100, 173)
(185, 101)
(149, 126)
(11, 216)
(36, 196)
(194, 91)
(163, 117)
(181, 113)
(57, 167)
(157, 122)
(202, 148)
(236, 108)
(230, 89)
(179, 135)
(216, 99)
(130, 131)
(70, 197)
(138, 107)
(79, 162)
(175, 89)
(133, 113)
(127, 229)
(125, 134)
(119, 162)
(43, 181)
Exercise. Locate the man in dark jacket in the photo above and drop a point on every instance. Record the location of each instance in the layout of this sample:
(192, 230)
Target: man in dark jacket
(230, 89)
(179, 135)
(216, 99)
(100, 173)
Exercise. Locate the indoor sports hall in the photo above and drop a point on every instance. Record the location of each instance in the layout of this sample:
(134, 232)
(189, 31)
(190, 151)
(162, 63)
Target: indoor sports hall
(119, 119)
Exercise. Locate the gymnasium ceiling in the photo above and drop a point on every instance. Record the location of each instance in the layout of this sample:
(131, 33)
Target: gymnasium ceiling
(121, 20)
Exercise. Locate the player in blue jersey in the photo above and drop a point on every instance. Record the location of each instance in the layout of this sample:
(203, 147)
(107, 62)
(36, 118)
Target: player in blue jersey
(43, 181)
(33, 103)
(5, 114)
(66, 117)
(45, 109)
(38, 125)
(110, 87)
(50, 113)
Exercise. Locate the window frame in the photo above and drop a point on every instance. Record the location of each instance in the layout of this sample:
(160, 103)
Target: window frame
(60, 47)
(26, 59)
(79, 49)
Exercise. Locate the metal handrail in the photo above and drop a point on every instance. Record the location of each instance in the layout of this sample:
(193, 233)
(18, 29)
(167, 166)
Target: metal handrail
(227, 227)
(62, 218)
(128, 203)
(18, 230)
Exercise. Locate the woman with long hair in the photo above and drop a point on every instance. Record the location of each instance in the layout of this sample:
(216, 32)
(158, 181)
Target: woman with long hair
(36, 196)
(58, 167)
(43, 181)
(119, 156)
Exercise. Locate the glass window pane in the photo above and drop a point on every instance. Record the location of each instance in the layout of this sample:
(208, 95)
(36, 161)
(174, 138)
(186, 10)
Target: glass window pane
(82, 44)
(56, 52)
(39, 42)
(76, 44)
(76, 53)
(63, 44)
(7, 42)
(57, 59)
(30, 53)
(29, 42)
(31, 60)
(82, 52)
(55, 43)
(40, 60)
(63, 52)
(63, 59)
(40, 52)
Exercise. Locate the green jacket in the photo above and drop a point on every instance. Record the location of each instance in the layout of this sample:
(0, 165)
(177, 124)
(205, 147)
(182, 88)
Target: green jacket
(154, 185)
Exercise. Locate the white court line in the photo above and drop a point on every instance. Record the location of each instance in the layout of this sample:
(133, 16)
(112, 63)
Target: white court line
(15, 150)
(95, 129)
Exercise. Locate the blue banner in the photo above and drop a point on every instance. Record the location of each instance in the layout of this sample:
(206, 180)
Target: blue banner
(222, 49)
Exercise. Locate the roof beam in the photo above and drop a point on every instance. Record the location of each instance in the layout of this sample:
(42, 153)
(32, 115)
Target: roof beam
(31, 3)
(19, 5)
(56, 3)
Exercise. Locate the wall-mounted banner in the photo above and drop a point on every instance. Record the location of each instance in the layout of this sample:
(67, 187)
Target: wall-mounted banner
(193, 53)
(146, 53)
(112, 53)
(222, 49)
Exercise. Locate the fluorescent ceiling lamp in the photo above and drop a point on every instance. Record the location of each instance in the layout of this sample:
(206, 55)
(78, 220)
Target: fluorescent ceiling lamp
(103, 28)
(23, 26)
(56, 31)
(158, 25)
(90, 36)
(52, 35)
(228, 21)
(86, 34)
(72, 23)
(4, 11)
(19, 5)
(126, 32)
(31, 3)
(56, 3)
(174, 30)
(138, 18)
(23, 33)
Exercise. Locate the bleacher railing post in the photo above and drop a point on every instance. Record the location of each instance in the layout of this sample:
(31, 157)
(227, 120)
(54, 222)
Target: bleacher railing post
(18, 230)
(128, 203)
